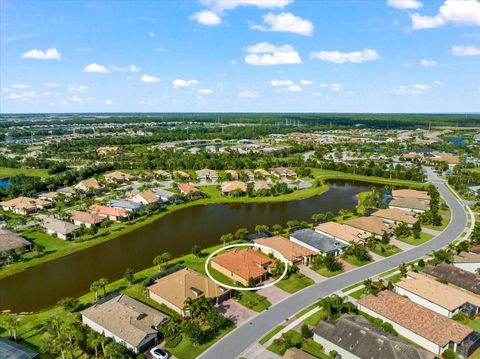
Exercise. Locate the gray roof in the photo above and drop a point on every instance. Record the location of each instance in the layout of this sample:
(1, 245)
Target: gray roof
(359, 337)
(59, 226)
(12, 350)
(10, 240)
(316, 240)
(456, 276)
(121, 203)
(163, 193)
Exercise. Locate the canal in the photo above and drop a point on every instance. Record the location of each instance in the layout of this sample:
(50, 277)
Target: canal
(43, 285)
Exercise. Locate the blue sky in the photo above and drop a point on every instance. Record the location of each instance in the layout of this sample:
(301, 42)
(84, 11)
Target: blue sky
(240, 55)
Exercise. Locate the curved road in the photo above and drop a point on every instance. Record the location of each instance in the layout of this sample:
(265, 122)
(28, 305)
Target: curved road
(233, 344)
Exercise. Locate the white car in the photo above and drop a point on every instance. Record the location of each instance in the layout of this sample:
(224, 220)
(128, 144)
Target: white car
(159, 353)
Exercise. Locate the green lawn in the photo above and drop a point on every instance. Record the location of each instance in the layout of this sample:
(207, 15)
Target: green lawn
(315, 318)
(326, 273)
(474, 324)
(445, 213)
(252, 300)
(306, 310)
(307, 345)
(386, 250)
(267, 337)
(294, 283)
(10, 172)
(424, 237)
(358, 293)
(355, 261)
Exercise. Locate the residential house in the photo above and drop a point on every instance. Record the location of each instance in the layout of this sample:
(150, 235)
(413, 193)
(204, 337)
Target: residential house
(354, 337)
(206, 174)
(421, 325)
(455, 276)
(441, 298)
(410, 193)
(371, 225)
(128, 206)
(243, 265)
(164, 195)
(125, 320)
(283, 172)
(342, 232)
(293, 252)
(396, 216)
(107, 150)
(119, 177)
(468, 261)
(164, 175)
(9, 241)
(146, 197)
(88, 185)
(317, 242)
(25, 205)
(11, 350)
(67, 191)
(173, 289)
(410, 204)
(181, 174)
(232, 175)
(189, 191)
(61, 229)
(86, 219)
(449, 158)
(250, 175)
(114, 214)
(234, 187)
(261, 173)
(48, 196)
(261, 186)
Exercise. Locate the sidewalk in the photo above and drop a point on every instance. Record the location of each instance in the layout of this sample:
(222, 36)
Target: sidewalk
(317, 278)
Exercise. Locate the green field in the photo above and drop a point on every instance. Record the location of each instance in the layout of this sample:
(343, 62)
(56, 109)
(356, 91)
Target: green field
(10, 172)
(424, 237)
(294, 283)
(267, 337)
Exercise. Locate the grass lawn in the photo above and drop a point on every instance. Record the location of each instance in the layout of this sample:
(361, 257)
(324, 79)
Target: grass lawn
(252, 300)
(294, 283)
(386, 250)
(445, 213)
(474, 324)
(315, 318)
(307, 309)
(394, 278)
(326, 273)
(267, 337)
(424, 237)
(355, 261)
(308, 345)
(10, 172)
(358, 293)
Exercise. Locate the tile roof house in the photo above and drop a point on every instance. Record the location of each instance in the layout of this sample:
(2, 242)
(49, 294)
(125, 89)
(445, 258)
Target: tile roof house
(250, 175)
(317, 242)
(233, 174)
(260, 172)
(86, 218)
(410, 193)
(455, 276)
(163, 175)
(291, 251)
(410, 204)
(10, 241)
(395, 215)
(450, 158)
(146, 197)
(119, 177)
(61, 229)
(173, 289)
(125, 320)
(164, 195)
(342, 232)
(243, 265)
(233, 186)
(115, 214)
(88, 185)
(181, 174)
(283, 172)
(188, 190)
(67, 191)
(206, 174)
(25, 205)
(441, 298)
(371, 225)
(12, 350)
(129, 206)
(421, 325)
(261, 186)
(48, 196)
(468, 261)
(356, 337)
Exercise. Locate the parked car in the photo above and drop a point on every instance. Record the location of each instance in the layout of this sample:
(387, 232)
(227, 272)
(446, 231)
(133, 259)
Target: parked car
(159, 353)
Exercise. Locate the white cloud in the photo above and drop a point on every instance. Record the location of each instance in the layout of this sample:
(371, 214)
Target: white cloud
(428, 63)
(280, 83)
(96, 68)
(78, 88)
(438, 83)
(52, 84)
(184, 83)
(265, 54)
(151, 34)
(50, 54)
(466, 50)
(219, 6)
(130, 68)
(338, 57)
(285, 22)
(404, 4)
(30, 96)
(205, 91)
(133, 68)
(294, 88)
(306, 82)
(108, 102)
(416, 89)
(336, 87)
(457, 12)
(207, 17)
(19, 86)
(150, 79)
(248, 93)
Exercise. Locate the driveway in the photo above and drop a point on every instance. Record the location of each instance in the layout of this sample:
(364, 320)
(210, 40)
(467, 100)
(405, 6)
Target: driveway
(236, 312)
(273, 294)
(346, 266)
(402, 245)
(310, 273)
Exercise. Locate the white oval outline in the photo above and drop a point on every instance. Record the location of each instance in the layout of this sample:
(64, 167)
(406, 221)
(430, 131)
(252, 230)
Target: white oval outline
(281, 257)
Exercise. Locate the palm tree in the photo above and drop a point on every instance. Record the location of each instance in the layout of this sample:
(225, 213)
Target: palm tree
(12, 325)
(103, 282)
(94, 287)
(162, 260)
(335, 305)
(403, 269)
(227, 237)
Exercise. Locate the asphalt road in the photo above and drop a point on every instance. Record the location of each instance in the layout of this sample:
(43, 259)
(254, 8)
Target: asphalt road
(233, 344)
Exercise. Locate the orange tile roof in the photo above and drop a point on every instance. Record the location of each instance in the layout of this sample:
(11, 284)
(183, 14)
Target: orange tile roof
(85, 217)
(186, 188)
(231, 186)
(418, 319)
(246, 263)
(371, 224)
(108, 211)
(398, 215)
(410, 193)
(148, 196)
(290, 250)
(342, 232)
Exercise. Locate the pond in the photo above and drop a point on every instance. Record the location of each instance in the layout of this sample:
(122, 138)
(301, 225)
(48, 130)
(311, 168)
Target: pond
(4, 183)
(43, 285)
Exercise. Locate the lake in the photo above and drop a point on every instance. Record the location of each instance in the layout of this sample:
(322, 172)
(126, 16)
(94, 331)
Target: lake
(43, 285)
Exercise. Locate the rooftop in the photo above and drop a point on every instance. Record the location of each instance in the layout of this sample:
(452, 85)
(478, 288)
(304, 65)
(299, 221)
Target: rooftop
(319, 241)
(108, 211)
(12, 350)
(234, 186)
(59, 226)
(371, 224)
(246, 263)
(122, 203)
(398, 215)
(456, 276)
(86, 217)
(410, 193)
(342, 232)
(413, 203)
(290, 250)
(10, 240)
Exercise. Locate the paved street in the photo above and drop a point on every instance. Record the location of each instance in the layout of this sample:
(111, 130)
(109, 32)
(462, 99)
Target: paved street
(232, 345)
